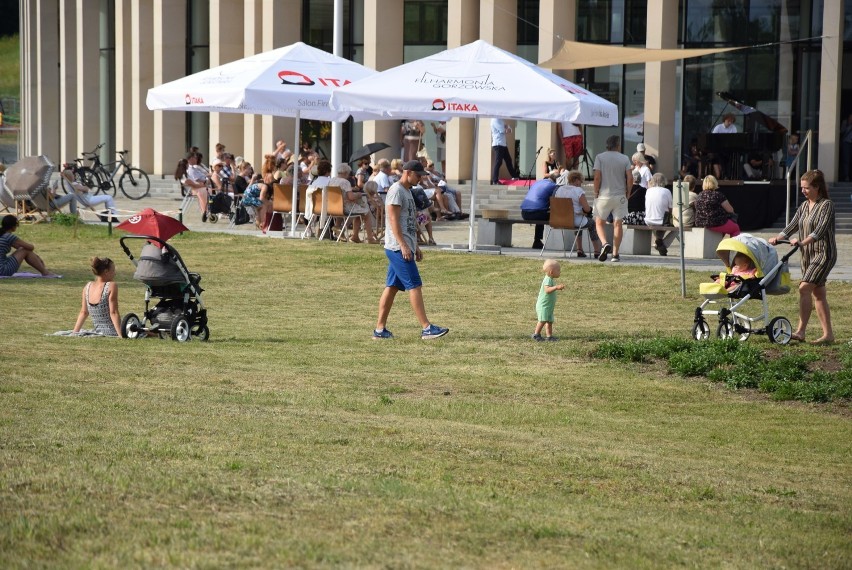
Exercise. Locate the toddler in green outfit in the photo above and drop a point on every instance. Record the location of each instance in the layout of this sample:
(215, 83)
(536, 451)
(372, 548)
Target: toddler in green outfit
(547, 300)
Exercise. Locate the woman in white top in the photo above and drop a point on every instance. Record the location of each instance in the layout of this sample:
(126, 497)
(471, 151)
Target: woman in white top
(570, 186)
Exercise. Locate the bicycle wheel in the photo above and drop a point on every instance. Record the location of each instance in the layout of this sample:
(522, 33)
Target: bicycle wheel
(134, 183)
(102, 183)
(86, 176)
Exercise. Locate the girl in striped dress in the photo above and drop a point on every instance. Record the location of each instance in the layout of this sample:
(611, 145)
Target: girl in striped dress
(100, 299)
(814, 222)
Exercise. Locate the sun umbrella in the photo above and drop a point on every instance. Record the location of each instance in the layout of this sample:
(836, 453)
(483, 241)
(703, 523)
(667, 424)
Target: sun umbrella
(367, 150)
(29, 177)
(292, 81)
(475, 80)
(150, 222)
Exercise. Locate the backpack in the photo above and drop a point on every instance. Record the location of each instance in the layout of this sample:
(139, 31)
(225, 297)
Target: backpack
(220, 204)
(421, 200)
(240, 216)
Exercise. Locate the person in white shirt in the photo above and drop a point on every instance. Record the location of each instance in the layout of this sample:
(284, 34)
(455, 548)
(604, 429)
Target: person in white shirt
(382, 177)
(658, 204)
(571, 186)
(500, 150)
(726, 127)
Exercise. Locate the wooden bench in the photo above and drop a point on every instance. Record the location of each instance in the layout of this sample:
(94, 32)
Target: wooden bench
(498, 231)
(699, 243)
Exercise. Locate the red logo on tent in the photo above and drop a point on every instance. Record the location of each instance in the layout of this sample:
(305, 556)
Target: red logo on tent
(439, 105)
(190, 100)
(294, 78)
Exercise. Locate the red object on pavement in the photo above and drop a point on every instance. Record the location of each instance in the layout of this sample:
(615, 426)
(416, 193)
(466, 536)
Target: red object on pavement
(150, 222)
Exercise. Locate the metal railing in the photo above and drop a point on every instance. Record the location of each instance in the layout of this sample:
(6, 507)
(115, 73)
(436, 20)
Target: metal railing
(807, 144)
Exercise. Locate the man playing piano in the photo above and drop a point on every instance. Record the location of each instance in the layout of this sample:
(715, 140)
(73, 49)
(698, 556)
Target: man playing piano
(726, 127)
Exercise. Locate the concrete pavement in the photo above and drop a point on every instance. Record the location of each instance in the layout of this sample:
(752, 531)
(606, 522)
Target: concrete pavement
(456, 232)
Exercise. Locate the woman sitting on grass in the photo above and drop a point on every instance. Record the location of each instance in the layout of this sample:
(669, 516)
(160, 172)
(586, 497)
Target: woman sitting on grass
(100, 299)
(10, 262)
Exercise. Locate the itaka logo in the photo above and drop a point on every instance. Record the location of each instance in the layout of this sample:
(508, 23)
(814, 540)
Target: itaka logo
(288, 77)
(441, 105)
(190, 100)
(295, 78)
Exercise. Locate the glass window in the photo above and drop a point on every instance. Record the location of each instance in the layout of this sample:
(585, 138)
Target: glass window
(527, 18)
(425, 22)
(711, 21)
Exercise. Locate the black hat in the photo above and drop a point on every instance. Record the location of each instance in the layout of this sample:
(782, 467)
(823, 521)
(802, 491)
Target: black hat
(414, 166)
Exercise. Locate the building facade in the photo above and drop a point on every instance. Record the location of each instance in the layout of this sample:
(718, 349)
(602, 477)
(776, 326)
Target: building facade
(87, 65)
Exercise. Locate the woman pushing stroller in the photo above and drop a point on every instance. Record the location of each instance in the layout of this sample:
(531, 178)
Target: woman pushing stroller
(814, 223)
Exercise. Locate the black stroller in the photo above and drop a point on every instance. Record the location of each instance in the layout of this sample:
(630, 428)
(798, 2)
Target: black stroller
(180, 312)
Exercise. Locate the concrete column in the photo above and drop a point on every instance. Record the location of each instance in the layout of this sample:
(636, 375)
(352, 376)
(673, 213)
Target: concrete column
(660, 87)
(829, 89)
(69, 80)
(84, 78)
(27, 34)
(225, 46)
(42, 118)
(383, 22)
(281, 22)
(498, 26)
(562, 18)
(252, 137)
(463, 17)
(169, 23)
(124, 47)
(142, 66)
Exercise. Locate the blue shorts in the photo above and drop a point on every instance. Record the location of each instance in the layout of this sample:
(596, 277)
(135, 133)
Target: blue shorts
(402, 274)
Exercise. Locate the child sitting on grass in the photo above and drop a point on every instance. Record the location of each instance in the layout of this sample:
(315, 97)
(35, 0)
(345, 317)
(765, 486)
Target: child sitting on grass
(547, 300)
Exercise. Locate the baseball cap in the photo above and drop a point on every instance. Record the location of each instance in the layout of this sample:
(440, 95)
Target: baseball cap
(414, 166)
(640, 147)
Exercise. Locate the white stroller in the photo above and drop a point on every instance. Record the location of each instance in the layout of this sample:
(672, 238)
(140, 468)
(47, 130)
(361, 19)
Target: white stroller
(772, 277)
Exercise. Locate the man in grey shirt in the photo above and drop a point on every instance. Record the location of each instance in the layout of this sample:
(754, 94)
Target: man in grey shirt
(613, 178)
(402, 253)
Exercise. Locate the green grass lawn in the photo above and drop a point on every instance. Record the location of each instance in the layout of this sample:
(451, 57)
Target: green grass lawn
(293, 439)
(10, 66)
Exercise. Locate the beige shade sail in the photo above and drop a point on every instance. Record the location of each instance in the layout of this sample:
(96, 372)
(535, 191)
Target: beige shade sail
(579, 55)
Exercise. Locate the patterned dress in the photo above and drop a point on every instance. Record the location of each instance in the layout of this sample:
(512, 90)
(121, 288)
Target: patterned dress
(8, 263)
(819, 257)
(100, 312)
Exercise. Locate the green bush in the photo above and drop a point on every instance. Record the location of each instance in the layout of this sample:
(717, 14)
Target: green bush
(63, 219)
(740, 365)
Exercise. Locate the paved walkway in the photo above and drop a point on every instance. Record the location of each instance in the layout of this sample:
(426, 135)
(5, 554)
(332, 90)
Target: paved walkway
(448, 233)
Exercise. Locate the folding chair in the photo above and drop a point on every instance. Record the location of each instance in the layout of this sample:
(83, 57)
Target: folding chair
(7, 201)
(334, 209)
(562, 219)
(282, 201)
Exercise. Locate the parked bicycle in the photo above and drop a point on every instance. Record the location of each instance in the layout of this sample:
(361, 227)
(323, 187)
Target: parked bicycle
(134, 182)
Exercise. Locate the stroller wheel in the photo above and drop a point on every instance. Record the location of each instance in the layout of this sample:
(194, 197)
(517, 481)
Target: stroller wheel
(779, 331)
(180, 329)
(701, 330)
(131, 327)
(202, 333)
(213, 218)
(725, 329)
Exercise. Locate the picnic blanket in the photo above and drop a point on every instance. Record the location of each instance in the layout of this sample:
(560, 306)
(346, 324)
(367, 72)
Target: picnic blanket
(26, 275)
(80, 333)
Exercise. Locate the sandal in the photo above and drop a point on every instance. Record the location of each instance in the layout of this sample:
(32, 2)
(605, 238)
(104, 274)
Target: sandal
(432, 242)
(581, 254)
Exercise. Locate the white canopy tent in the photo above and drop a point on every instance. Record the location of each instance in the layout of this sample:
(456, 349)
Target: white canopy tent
(475, 80)
(292, 81)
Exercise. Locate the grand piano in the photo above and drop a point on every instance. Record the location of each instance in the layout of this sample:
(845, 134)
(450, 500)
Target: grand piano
(762, 135)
